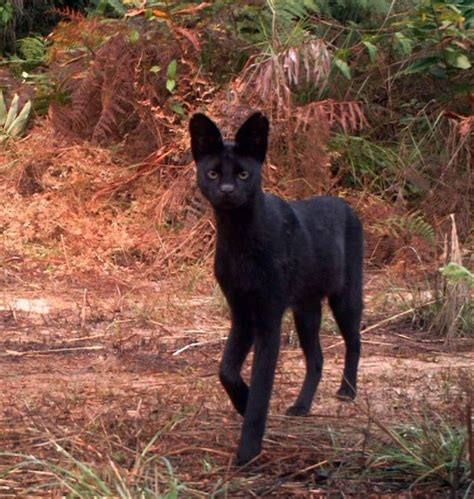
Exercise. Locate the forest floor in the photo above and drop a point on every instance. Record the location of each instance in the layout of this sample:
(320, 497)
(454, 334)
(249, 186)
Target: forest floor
(105, 390)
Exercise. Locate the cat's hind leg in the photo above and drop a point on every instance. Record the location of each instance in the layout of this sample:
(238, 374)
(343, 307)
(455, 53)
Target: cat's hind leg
(347, 309)
(307, 321)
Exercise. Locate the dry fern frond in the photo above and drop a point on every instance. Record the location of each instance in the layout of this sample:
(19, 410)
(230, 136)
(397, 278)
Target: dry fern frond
(276, 76)
(149, 167)
(347, 115)
(80, 34)
(118, 99)
(69, 13)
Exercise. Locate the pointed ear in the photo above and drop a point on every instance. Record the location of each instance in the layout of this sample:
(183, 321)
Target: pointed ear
(252, 137)
(205, 136)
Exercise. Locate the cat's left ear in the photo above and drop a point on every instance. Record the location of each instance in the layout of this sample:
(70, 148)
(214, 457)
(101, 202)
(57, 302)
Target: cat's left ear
(206, 139)
(252, 137)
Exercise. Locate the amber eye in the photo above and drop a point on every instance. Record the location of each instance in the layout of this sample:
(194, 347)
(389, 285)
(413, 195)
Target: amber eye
(243, 175)
(212, 174)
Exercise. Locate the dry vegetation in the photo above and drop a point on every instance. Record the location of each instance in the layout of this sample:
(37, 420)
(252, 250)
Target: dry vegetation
(112, 325)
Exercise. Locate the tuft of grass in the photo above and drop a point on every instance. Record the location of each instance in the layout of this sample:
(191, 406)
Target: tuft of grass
(151, 475)
(364, 164)
(432, 452)
(455, 314)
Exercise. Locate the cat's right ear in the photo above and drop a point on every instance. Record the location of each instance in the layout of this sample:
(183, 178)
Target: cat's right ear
(205, 136)
(252, 137)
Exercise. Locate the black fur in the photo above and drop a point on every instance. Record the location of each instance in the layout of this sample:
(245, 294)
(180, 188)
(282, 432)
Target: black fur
(271, 255)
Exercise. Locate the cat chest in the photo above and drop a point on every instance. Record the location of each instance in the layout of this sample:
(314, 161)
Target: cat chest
(252, 272)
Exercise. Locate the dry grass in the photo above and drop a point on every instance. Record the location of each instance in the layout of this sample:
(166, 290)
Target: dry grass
(456, 296)
(111, 218)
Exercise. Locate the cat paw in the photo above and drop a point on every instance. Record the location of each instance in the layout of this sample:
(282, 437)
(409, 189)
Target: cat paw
(297, 410)
(247, 454)
(346, 393)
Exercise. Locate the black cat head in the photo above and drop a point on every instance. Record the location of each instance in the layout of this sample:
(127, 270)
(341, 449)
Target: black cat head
(229, 173)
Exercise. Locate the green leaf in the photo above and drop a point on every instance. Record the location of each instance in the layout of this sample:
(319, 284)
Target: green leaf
(403, 43)
(3, 109)
(6, 12)
(171, 71)
(371, 49)
(177, 108)
(422, 64)
(12, 111)
(20, 122)
(458, 60)
(438, 71)
(117, 6)
(170, 85)
(149, 15)
(469, 19)
(101, 6)
(155, 69)
(134, 36)
(311, 5)
(343, 67)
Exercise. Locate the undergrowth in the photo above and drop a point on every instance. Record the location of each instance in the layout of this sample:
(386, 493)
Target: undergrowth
(423, 456)
(431, 451)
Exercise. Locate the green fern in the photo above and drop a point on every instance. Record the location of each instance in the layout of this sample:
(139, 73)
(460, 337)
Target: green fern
(363, 163)
(291, 10)
(32, 48)
(31, 54)
(407, 226)
(455, 273)
(358, 11)
(276, 24)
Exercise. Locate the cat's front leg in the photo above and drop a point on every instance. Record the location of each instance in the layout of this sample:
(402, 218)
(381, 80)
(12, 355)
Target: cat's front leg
(267, 345)
(236, 350)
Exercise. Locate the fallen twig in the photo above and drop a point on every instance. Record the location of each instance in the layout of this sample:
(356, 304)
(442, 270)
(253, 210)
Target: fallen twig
(83, 338)
(196, 344)
(470, 436)
(418, 340)
(84, 310)
(383, 322)
(15, 353)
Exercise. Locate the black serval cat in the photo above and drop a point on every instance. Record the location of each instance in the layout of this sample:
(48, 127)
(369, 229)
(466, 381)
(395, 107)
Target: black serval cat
(271, 255)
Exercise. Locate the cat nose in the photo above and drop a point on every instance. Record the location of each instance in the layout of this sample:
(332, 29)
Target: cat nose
(227, 188)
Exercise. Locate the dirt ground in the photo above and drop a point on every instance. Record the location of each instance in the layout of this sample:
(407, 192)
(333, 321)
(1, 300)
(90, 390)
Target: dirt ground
(96, 373)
